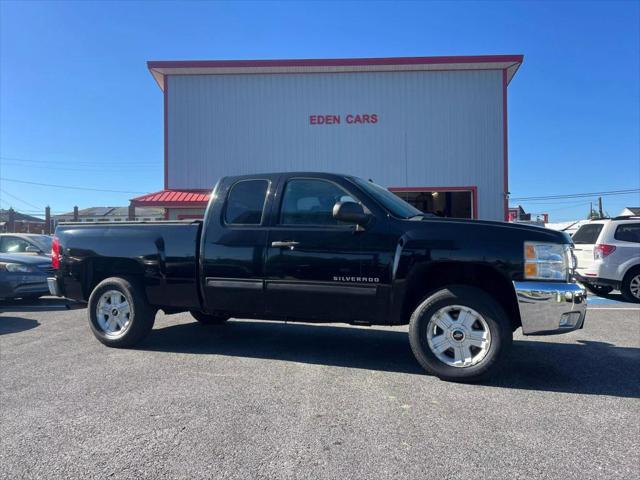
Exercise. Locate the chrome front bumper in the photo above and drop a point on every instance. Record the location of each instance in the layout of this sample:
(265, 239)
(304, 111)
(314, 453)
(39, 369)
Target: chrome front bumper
(547, 308)
(54, 290)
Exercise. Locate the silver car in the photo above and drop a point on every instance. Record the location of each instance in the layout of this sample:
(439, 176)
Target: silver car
(608, 254)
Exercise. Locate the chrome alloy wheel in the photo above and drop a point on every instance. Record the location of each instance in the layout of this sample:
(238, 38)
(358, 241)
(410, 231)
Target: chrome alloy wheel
(634, 286)
(113, 313)
(458, 336)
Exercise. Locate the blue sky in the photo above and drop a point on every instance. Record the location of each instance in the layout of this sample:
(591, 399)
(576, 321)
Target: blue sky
(78, 106)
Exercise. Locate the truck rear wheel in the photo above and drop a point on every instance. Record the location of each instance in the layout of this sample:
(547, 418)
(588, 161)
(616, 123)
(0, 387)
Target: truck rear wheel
(207, 319)
(119, 314)
(460, 334)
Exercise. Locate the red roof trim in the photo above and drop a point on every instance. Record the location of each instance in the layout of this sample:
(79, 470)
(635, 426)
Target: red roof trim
(173, 199)
(334, 62)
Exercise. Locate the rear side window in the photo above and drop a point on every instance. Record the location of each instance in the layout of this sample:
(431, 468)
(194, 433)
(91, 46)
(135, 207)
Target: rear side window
(245, 203)
(588, 234)
(628, 233)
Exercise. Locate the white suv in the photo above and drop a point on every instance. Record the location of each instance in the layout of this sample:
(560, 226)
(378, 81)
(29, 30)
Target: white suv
(608, 255)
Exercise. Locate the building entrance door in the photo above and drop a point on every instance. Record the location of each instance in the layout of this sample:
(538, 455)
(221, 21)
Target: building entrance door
(454, 202)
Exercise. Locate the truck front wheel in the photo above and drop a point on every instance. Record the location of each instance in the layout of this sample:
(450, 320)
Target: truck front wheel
(206, 319)
(119, 314)
(460, 334)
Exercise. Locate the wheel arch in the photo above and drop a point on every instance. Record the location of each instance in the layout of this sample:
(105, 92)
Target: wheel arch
(427, 278)
(631, 269)
(98, 269)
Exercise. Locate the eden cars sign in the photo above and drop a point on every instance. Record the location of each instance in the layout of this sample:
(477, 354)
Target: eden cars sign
(349, 119)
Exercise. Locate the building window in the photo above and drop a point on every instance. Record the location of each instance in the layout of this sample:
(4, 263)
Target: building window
(245, 203)
(454, 203)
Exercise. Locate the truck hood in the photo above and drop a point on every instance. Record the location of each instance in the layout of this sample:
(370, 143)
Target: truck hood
(501, 230)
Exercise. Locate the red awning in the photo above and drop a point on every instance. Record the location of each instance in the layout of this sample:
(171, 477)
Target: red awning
(173, 199)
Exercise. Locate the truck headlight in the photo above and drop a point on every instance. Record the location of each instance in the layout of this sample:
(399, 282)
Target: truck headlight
(16, 267)
(547, 261)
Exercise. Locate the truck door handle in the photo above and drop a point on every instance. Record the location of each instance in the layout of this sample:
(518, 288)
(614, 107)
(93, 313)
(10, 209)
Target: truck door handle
(288, 244)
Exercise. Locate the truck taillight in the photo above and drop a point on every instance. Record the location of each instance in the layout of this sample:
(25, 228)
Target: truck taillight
(55, 253)
(601, 250)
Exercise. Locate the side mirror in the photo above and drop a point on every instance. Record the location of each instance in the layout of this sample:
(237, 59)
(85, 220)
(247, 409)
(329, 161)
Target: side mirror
(32, 249)
(350, 212)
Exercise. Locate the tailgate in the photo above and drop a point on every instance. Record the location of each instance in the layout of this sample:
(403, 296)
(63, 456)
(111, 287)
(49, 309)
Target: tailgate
(584, 256)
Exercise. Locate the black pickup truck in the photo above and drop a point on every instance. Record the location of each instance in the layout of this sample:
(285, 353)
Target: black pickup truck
(319, 247)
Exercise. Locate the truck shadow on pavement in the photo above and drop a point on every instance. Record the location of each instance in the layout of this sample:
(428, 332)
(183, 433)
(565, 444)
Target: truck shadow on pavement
(583, 367)
(16, 324)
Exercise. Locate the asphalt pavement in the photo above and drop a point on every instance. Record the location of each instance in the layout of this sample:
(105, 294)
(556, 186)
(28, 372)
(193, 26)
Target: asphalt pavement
(257, 399)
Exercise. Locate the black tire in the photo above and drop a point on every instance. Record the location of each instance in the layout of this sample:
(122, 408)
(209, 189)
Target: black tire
(206, 319)
(598, 289)
(492, 313)
(625, 287)
(141, 316)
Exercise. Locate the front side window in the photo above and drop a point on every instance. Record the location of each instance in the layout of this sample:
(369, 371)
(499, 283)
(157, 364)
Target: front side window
(245, 203)
(629, 232)
(311, 201)
(588, 234)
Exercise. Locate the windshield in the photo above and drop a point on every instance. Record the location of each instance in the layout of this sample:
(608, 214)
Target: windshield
(43, 242)
(393, 203)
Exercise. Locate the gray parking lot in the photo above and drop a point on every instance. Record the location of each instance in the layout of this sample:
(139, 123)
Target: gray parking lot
(273, 400)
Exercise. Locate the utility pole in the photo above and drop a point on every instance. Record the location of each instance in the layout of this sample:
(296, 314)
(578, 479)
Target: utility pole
(12, 221)
(590, 216)
(600, 207)
(47, 220)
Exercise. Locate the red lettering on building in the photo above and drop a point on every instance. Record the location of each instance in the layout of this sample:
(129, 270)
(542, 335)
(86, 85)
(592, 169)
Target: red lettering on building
(324, 119)
(351, 119)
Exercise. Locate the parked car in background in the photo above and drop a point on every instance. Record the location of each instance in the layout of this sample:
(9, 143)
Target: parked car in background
(24, 276)
(25, 243)
(608, 255)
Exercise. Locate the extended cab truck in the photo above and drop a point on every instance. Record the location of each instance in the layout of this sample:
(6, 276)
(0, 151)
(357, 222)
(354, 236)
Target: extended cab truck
(320, 247)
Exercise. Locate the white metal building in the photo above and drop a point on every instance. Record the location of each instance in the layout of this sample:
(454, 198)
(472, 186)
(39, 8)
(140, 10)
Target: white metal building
(432, 129)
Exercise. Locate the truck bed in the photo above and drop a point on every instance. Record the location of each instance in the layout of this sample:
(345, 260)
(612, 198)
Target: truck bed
(162, 254)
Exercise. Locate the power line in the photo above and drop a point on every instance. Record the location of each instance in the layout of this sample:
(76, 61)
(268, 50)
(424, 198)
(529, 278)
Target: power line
(575, 205)
(558, 202)
(580, 195)
(71, 162)
(70, 187)
(63, 167)
(20, 200)
(39, 212)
